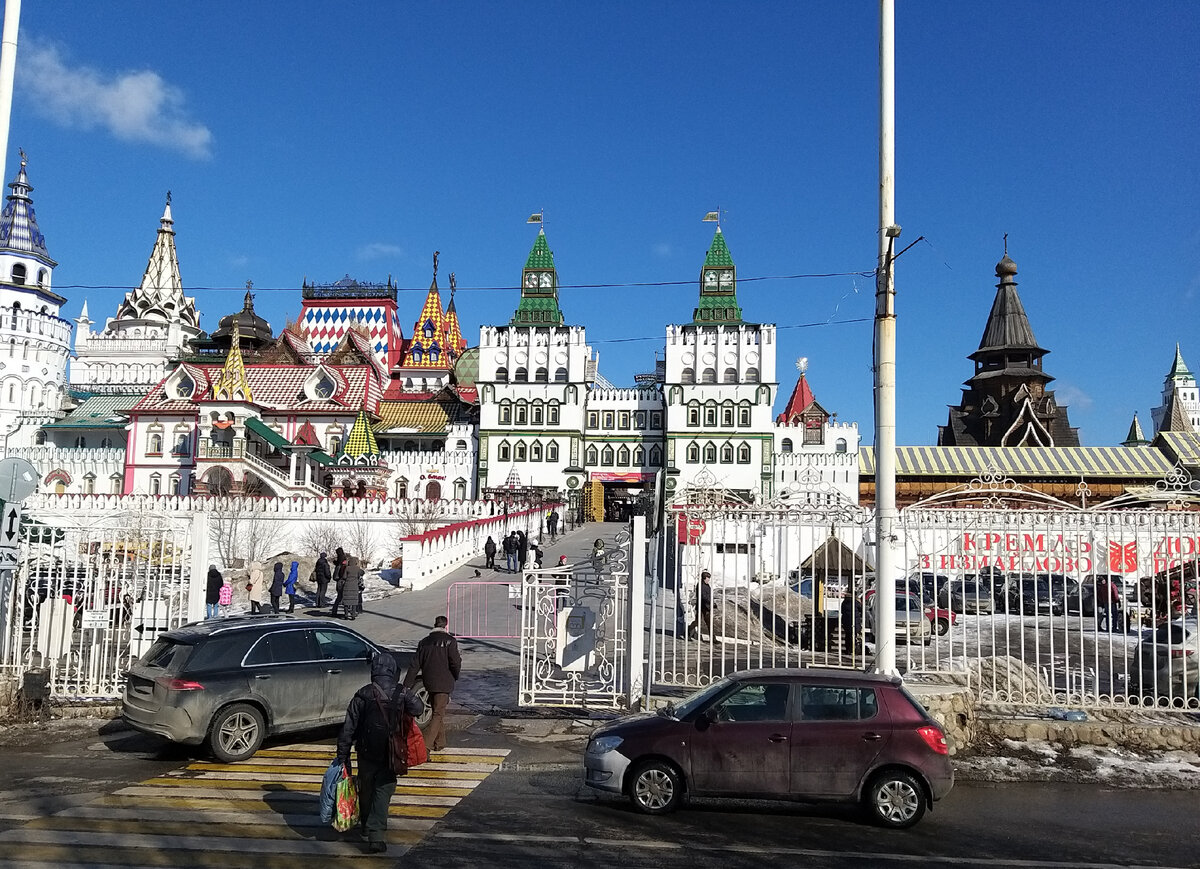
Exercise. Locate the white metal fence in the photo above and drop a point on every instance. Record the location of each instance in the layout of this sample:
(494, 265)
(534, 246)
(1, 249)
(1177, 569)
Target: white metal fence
(1028, 599)
(86, 599)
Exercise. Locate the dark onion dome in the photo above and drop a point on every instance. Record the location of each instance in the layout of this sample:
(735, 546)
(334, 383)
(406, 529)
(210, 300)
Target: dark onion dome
(1006, 268)
(254, 332)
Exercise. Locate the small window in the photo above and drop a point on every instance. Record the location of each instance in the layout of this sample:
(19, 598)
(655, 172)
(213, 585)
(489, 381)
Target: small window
(560, 375)
(693, 415)
(541, 375)
(154, 444)
(591, 456)
(537, 414)
(521, 375)
(502, 375)
(709, 375)
(840, 445)
(639, 456)
(18, 273)
(730, 375)
(744, 416)
(727, 454)
(623, 457)
(80, 442)
(639, 420)
(519, 452)
(609, 419)
(710, 415)
(535, 452)
(688, 376)
(656, 419)
(693, 453)
(89, 484)
(552, 415)
(623, 420)
(156, 484)
(552, 452)
(606, 457)
(522, 413)
(727, 417)
(744, 454)
(504, 452)
(655, 457)
(786, 445)
(593, 419)
(710, 454)
(752, 375)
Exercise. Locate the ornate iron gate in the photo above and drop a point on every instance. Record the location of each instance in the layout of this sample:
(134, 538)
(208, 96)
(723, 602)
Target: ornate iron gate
(87, 599)
(582, 629)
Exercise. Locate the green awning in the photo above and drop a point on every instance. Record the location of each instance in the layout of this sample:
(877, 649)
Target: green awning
(268, 434)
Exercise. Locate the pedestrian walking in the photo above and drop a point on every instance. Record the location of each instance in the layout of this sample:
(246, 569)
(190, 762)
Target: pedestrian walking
(339, 579)
(438, 662)
(350, 590)
(225, 598)
(510, 552)
(376, 710)
(522, 550)
(552, 525)
(254, 587)
(703, 607)
(489, 553)
(277, 586)
(289, 585)
(852, 616)
(322, 575)
(598, 554)
(212, 596)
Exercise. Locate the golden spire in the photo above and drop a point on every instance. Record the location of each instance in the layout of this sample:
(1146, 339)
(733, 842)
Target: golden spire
(231, 384)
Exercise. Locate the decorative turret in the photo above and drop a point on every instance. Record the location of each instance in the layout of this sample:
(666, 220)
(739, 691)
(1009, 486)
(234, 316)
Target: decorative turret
(455, 342)
(361, 443)
(1006, 402)
(1180, 398)
(428, 346)
(1135, 438)
(539, 288)
(24, 260)
(718, 286)
(251, 330)
(231, 383)
(159, 299)
(802, 407)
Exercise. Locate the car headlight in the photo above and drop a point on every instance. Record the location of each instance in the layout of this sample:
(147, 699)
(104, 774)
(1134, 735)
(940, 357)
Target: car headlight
(603, 744)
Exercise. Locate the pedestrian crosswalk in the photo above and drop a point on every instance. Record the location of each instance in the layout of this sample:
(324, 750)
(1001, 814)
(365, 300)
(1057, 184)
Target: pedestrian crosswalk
(260, 813)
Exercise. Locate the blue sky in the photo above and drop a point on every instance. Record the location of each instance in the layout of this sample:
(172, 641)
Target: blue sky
(307, 139)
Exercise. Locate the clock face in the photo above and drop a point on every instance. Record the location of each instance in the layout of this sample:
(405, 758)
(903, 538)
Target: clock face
(547, 279)
(531, 280)
(710, 279)
(727, 278)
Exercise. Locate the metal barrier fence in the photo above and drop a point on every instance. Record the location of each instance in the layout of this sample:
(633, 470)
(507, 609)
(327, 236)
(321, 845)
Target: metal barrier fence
(86, 600)
(1027, 599)
(485, 610)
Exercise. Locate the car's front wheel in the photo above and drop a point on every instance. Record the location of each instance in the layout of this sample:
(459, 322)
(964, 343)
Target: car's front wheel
(427, 709)
(943, 627)
(236, 733)
(656, 788)
(895, 799)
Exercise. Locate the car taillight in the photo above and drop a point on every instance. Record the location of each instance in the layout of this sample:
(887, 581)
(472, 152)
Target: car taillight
(1180, 653)
(172, 684)
(934, 738)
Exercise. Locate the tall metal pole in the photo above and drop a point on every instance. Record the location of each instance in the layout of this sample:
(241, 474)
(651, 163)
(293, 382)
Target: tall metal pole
(8, 69)
(885, 354)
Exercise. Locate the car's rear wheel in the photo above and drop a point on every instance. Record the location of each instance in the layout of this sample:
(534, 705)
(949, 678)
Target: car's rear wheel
(943, 627)
(236, 733)
(656, 788)
(427, 710)
(895, 799)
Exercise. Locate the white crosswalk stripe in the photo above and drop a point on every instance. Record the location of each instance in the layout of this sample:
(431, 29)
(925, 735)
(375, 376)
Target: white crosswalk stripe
(265, 807)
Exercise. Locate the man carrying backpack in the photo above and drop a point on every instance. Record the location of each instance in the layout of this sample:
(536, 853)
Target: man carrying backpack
(375, 712)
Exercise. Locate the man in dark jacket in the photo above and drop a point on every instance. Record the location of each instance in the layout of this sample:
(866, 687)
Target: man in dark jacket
(522, 550)
(322, 575)
(212, 597)
(370, 719)
(438, 662)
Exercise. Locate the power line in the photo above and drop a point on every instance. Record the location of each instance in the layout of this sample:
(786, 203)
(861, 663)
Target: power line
(790, 326)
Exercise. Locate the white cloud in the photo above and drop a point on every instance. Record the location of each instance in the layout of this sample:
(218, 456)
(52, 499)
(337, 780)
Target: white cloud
(1073, 396)
(133, 106)
(379, 250)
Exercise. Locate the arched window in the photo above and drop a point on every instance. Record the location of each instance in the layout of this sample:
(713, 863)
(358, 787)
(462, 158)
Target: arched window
(460, 490)
(727, 454)
(80, 443)
(537, 413)
(402, 488)
(709, 375)
(839, 445)
(552, 413)
(89, 484)
(410, 446)
(106, 443)
(786, 445)
(727, 415)
(522, 413)
(116, 483)
(752, 375)
(552, 452)
(591, 456)
(521, 375)
(606, 457)
(504, 451)
(655, 457)
(744, 414)
(693, 452)
(730, 375)
(154, 444)
(560, 374)
(535, 451)
(639, 456)
(623, 456)
(43, 276)
(519, 452)
(541, 375)
(743, 454)
(433, 490)
(18, 273)
(505, 413)
(688, 375)
(416, 355)
(693, 414)
(174, 482)
(460, 445)
(710, 414)
(710, 453)
(156, 484)
(502, 375)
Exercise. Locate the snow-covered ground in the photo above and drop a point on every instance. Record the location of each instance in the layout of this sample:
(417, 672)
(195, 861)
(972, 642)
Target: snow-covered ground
(1011, 760)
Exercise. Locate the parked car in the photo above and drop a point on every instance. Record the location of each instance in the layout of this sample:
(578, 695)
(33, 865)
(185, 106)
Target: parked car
(1030, 595)
(963, 596)
(912, 623)
(232, 682)
(940, 618)
(931, 584)
(1168, 664)
(810, 735)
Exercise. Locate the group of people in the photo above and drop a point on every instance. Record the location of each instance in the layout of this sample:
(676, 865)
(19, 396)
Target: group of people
(345, 572)
(517, 550)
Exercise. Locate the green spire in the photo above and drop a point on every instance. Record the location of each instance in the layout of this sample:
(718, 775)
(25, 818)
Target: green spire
(539, 288)
(718, 286)
(362, 439)
(1135, 438)
(1178, 368)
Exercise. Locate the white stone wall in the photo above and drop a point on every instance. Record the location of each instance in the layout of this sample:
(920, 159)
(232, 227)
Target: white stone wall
(833, 462)
(73, 467)
(34, 346)
(617, 423)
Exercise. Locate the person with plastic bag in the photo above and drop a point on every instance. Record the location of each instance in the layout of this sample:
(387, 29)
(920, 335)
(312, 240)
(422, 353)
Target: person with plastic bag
(375, 711)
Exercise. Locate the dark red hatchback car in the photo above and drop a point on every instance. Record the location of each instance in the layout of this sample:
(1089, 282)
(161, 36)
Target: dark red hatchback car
(809, 735)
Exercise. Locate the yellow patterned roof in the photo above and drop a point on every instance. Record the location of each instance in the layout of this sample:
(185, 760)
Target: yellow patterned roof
(412, 416)
(1184, 447)
(1072, 462)
(362, 440)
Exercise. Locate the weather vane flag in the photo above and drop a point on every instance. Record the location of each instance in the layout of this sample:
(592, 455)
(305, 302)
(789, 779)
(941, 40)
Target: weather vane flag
(712, 217)
(536, 217)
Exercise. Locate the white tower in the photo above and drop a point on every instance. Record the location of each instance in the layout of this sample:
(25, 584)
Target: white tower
(34, 339)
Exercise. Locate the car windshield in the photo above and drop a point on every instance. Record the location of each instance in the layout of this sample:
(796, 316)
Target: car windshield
(907, 602)
(700, 698)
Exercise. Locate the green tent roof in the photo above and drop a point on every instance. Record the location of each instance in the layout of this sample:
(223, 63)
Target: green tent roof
(718, 253)
(540, 257)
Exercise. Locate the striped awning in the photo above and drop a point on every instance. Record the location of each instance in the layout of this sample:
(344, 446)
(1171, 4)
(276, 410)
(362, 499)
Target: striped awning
(1068, 462)
(1182, 447)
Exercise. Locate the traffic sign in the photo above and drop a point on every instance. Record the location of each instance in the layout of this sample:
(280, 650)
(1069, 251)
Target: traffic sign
(10, 525)
(18, 479)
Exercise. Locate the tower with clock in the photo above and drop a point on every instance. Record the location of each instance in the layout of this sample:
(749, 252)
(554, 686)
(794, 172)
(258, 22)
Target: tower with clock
(539, 288)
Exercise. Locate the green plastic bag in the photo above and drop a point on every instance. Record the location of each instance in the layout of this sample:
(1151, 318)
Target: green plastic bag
(345, 814)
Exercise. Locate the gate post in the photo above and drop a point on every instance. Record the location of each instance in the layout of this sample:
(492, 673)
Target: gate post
(196, 581)
(635, 676)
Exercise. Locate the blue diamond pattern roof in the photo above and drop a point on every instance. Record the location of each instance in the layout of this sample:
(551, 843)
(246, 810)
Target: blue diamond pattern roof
(18, 224)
